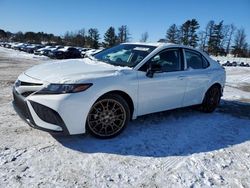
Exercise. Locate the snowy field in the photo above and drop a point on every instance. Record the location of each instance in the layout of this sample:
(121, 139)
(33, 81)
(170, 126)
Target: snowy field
(224, 59)
(178, 148)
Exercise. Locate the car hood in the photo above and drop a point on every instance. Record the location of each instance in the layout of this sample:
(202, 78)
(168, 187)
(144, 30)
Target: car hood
(72, 71)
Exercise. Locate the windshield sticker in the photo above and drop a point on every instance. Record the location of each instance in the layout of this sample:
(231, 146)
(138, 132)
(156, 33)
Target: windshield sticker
(141, 49)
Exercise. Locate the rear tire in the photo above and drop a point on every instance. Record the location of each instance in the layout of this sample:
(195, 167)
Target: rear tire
(108, 117)
(211, 99)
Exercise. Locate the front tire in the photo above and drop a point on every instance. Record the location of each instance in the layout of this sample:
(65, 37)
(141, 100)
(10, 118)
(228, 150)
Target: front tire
(108, 116)
(211, 99)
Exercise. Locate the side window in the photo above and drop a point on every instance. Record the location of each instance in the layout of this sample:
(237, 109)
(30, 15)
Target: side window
(167, 61)
(194, 60)
(205, 62)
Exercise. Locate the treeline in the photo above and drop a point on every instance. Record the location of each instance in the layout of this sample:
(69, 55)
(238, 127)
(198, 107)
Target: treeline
(81, 38)
(215, 38)
(30, 37)
(91, 37)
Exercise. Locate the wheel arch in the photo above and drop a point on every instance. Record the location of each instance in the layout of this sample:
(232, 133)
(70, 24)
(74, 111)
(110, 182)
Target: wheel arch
(125, 96)
(215, 84)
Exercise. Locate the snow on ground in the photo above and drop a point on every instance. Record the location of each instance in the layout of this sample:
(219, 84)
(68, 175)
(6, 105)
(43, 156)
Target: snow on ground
(22, 55)
(237, 84)
(178, 148)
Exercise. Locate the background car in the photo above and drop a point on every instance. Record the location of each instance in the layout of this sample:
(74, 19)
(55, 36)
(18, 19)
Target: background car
(43, 51)
(234, 64)
(92, 52)
(19, 46)
(84, 50)
(66, 53)
(31, 48)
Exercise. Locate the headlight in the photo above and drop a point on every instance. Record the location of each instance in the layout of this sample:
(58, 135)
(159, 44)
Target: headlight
(64, 88)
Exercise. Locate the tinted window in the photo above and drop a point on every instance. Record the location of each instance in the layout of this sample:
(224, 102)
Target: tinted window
(205, 62)
(167, 61)
(194, 60)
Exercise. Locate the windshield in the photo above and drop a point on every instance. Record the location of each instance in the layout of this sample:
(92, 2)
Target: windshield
(124, 54)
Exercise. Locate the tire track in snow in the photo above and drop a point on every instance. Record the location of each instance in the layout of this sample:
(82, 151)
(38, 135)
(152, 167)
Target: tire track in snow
(244, 161)
(172, 163)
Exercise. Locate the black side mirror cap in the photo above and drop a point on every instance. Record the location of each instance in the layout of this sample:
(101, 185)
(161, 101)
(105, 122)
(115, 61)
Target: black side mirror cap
(153, 68)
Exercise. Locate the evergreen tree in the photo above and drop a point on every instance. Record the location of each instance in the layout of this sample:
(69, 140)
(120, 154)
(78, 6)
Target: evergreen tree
(194, 25)
(173, 34)
(185, 32)
(93, 38)
(3, 34)
(189, 35)
(110, 37)
(214, 44)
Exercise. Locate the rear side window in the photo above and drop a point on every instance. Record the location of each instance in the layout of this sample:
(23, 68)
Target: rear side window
(194, 60)
(205, 62)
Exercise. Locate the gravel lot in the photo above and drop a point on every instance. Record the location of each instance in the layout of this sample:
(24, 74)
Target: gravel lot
(178, 148)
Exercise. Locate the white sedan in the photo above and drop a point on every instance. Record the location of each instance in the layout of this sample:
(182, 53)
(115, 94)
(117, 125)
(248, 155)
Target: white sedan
(102, 93)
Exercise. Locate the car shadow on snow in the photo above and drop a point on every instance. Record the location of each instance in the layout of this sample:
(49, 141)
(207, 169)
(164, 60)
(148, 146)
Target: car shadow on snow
(173, 133)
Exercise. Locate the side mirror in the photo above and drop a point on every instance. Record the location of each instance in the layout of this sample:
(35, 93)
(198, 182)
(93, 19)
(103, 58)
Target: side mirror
(153, 68)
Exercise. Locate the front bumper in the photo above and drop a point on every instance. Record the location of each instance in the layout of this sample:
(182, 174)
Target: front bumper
(26, 108)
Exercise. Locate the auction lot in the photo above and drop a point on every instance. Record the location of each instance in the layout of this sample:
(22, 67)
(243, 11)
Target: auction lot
(178, 148)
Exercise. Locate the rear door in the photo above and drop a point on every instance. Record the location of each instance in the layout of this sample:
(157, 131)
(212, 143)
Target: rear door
(165, 90)
(197, 76)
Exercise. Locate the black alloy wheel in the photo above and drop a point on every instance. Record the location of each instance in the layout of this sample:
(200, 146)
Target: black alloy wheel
(108, 116)
(211, 100)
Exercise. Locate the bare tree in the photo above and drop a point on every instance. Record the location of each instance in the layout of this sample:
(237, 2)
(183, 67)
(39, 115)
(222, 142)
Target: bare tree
(230, 35)
(204, 35)
(123, 34)
(144, 37)
(240, 44)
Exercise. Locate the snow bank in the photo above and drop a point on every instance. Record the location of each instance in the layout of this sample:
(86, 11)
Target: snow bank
(21, 55)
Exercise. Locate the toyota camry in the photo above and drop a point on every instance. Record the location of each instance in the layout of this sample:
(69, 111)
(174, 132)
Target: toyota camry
(102, 93)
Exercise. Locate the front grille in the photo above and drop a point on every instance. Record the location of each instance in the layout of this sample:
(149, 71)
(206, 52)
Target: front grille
(47, 114)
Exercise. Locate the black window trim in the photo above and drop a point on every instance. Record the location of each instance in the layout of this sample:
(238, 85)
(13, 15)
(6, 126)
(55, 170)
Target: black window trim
(202, 57)
(167, 49)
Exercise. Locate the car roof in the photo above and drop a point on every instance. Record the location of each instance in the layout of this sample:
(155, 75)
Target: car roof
(160, 44)
(156, 44)
(163, 45)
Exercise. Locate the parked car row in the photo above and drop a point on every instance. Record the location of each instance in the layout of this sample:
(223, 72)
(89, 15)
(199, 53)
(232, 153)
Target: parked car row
(235, 64)
(55, 52)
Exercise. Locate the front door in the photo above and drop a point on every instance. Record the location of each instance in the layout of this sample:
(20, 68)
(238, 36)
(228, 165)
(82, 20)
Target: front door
(165, 90)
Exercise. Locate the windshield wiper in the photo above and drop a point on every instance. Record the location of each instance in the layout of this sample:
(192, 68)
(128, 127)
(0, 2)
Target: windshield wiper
(91, 57)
